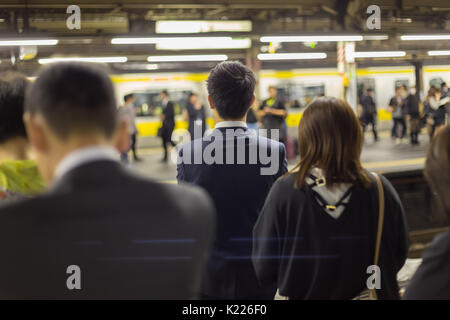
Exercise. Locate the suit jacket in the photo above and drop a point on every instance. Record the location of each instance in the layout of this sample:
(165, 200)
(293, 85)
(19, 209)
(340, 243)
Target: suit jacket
(130, 238)
(238, 192)
(432, 280)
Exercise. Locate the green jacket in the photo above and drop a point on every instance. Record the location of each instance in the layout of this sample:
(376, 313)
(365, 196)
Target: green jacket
(19, 178)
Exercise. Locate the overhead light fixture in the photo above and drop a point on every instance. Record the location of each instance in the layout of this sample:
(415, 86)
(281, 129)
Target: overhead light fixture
(292, 56)
(34, 42)
(204, 43)
(137, 66)
(311, 38)
(439, 53)
(376, 37)
(420, 37)
(188, 58)
(85, 59)
(200, 26)
(379, 54)
(189, 43)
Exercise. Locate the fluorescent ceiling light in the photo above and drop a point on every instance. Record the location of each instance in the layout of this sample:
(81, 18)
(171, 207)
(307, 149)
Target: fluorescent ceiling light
(184, 58)
(311, 38)
(379, 54)
(426, 37)
(376, 37)
(85, 59)
(36, 42)
(189, 43)
(291, 56)
(439, 53)
(200, 26)
(204, 43)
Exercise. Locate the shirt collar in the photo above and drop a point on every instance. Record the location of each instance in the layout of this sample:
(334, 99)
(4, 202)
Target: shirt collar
(231, 124)
(83, 156)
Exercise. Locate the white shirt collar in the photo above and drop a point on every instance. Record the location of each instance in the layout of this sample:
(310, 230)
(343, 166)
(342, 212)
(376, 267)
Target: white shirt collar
(231, 124)
(84, 155)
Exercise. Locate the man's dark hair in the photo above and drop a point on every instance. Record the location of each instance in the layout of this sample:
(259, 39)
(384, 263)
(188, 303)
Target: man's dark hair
(128, 97)
(74, 98)
(12, 95)
(165, 93)
(369, 90)
(231, 86)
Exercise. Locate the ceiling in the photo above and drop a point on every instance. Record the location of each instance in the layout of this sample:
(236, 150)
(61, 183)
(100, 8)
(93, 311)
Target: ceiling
(101, 20)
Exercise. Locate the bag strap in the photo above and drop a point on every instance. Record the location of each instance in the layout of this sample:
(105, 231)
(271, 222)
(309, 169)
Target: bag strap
(373, 292)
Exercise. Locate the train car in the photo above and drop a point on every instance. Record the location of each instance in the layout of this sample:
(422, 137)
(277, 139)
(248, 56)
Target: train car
(297, 87)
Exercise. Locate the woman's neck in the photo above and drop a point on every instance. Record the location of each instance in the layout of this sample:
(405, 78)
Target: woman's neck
(14, 149)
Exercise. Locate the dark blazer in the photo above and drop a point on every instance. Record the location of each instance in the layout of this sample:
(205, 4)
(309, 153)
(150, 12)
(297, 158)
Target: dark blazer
(432, 280)
(168, 123)
(238, 192)
(131, 238)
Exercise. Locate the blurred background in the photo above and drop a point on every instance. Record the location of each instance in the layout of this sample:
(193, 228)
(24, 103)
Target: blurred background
(303, 48)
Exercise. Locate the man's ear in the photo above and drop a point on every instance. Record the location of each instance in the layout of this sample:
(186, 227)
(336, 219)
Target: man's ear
(36, 132)
(211, 104)
(253, 100)
(122, 139)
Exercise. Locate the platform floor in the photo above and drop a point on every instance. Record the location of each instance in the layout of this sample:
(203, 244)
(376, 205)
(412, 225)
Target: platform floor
(383, 156)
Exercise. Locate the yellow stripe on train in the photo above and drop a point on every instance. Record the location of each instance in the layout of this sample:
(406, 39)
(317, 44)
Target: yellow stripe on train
(150, 128)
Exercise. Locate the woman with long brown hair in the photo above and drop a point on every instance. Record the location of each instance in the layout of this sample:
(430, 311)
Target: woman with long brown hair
(316, 234)
(432, 279)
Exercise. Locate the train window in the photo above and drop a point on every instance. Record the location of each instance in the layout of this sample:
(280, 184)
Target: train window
(402, 82)
(363, 85)
(436, 82)
(298, 95)
(149, 103)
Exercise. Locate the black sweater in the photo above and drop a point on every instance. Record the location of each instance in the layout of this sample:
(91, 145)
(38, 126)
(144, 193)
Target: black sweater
(308, 254)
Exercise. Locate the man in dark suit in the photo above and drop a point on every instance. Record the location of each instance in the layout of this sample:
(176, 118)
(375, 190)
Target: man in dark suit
(99, 232)
(369, 113)
(237, 168)
(168, 122)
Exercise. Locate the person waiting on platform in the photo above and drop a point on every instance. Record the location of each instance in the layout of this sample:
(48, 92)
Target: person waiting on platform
(195, 115)
(317, 232)
(396, 107)
(99, 232)
(411, 106)
(168, 123)
(369, 113)
(438, 105)
(128, 111)
(432, 279)
(273, 112)
(237, 185)
(19, 175)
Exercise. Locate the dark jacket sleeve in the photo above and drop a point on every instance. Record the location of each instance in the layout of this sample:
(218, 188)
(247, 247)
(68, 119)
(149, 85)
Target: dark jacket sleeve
(283, 162)
(395, 242)
(432, 279)
(266, 246)
(169, 112)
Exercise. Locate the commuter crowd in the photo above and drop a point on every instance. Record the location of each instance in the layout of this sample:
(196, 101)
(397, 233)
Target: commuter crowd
(226, 231)
(409, 113)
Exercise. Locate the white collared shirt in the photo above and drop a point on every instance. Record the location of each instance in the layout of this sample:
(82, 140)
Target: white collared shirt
(231, 124)
(83, 156)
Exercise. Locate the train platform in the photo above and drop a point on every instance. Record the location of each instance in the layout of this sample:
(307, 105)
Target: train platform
(384, 156)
